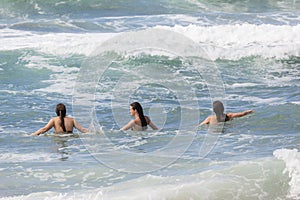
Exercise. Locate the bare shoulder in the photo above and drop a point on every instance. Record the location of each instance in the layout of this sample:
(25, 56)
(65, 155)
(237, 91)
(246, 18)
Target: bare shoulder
(55, 119)
(69, 118)
(134, 121)
(70, 121)
(230, 114)
(209, 117)
(147, 119)
(207, 120)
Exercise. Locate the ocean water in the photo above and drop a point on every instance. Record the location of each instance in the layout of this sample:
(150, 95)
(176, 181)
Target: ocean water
(175, 58)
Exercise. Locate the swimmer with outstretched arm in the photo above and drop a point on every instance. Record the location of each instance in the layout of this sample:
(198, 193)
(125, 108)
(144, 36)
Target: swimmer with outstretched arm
(61, 123)
(220, 116)
(140, 121)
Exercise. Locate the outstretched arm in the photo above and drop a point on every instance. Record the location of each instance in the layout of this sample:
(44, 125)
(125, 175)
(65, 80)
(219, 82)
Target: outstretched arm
(45, 128)
(79, 127)
(239, 114)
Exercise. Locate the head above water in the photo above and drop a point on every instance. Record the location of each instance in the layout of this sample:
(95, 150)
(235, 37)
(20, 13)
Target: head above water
(61, 110)
(137, 106)
(218, 108)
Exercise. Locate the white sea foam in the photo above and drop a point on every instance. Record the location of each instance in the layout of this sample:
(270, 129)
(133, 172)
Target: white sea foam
(257, 100)
(219, 41)
(291, 157)
(22, 157)
(243, 40)
(242, 180)
(241, 85)
(53, 43)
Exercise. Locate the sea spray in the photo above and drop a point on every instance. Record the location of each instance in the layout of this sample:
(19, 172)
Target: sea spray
(291, 157)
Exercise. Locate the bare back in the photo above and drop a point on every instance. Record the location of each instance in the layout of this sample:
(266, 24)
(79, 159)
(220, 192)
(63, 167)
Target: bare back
(69, 124)
(55, 123)
(136, 125)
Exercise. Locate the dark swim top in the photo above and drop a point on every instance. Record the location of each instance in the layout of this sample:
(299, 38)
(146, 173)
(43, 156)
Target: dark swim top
(227, 118)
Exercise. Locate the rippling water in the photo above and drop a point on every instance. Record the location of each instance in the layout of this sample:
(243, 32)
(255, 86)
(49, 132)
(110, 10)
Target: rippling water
(47, 51)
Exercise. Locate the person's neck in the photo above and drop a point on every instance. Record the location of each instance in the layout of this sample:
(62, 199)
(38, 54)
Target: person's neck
(136, 116)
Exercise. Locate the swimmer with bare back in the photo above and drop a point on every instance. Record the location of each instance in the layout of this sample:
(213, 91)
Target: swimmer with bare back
(61, 123)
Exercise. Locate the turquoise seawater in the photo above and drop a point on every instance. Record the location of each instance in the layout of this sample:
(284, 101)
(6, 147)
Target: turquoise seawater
(249, 57)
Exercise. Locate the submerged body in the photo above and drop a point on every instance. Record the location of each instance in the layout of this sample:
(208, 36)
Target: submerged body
(220, 116)
(61, 123)
(140, 122)
(136, 125)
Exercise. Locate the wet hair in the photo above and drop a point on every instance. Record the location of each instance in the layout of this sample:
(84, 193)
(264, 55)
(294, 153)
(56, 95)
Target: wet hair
(218, 108)
(61, 112)
(137, 106)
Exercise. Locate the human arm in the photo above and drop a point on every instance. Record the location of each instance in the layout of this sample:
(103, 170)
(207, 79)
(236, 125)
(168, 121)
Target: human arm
(239, 114)
(45, 128)
(79, 127)
(128, 126)
(149, 122)
(152, 126)
(206, 121)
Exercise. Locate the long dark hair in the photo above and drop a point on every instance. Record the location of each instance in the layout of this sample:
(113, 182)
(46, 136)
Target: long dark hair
(137, 106)
(218, 108)
(61, 112)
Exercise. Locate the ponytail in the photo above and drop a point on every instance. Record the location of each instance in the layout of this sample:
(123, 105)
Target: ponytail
(61, 112)
(62, 121)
